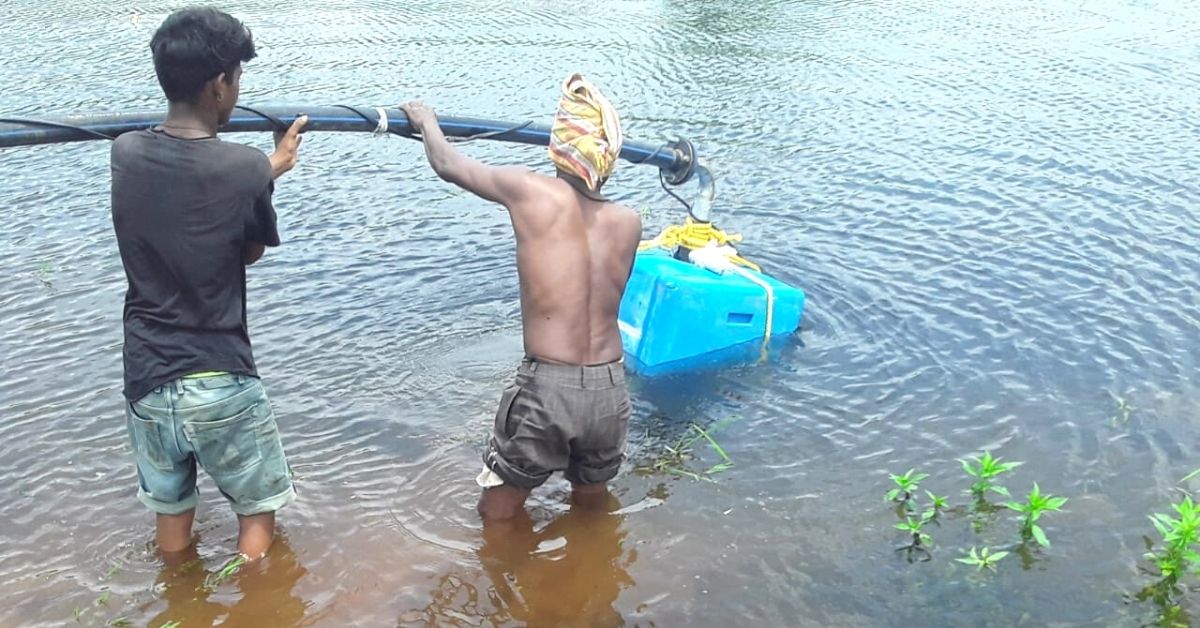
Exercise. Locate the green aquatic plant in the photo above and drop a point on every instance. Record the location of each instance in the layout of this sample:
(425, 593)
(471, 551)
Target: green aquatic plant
(919, 541)
(982, 559)
(937, 504)
(726, 462)
(915, 527)
(1173, 616)
(1189, 476)
(120, 621)
(172, 624)
(1124, 410)
(216, 579)
(1034, 506)
(103, 599)
(1180, 535)
(676, 459)
(1176, 558)
(44, 273)
(985, 470)
(906, 486)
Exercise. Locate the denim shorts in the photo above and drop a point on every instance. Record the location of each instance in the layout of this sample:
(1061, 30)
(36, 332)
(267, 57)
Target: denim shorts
(224, 423)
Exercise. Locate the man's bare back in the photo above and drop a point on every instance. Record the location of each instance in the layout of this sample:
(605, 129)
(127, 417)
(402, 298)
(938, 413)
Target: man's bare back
(574, 255)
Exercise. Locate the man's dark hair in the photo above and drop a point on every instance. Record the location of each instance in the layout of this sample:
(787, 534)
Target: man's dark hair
(194, 45)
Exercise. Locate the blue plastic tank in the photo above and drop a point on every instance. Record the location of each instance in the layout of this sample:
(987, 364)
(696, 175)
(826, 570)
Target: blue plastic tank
(675, 313)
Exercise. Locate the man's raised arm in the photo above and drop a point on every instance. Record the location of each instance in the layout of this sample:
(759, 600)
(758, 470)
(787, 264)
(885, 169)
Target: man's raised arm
(506, 185)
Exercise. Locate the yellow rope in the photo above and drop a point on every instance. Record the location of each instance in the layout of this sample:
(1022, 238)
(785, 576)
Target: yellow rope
(694, 235)
(770, 309)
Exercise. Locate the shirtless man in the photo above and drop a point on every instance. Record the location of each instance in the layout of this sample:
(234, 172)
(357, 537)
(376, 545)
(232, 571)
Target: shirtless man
(568, 408)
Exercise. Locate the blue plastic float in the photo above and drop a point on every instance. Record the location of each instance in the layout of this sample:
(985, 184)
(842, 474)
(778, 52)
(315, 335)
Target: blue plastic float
(677, 316)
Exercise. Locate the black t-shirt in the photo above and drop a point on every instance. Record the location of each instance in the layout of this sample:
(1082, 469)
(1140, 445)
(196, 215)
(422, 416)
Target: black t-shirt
(183, 211)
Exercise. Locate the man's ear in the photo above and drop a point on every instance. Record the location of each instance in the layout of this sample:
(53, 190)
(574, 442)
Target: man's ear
(215, 86)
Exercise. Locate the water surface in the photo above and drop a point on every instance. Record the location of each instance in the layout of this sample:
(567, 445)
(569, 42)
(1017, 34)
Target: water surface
(992, 207)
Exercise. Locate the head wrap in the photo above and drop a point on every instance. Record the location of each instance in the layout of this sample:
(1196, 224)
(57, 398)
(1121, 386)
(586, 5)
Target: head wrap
(585, 139)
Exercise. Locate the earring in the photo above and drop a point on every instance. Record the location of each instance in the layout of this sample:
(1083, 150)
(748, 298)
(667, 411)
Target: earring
(220, 97)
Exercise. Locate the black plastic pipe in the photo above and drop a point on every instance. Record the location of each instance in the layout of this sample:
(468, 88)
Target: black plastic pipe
(677, 160)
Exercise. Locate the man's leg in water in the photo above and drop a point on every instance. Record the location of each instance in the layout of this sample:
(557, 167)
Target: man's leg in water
(502, 502)
(255, 534)
(174, 532)
(591, 496)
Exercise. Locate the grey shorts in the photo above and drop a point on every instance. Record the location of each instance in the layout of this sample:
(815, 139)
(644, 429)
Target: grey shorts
(560, 418)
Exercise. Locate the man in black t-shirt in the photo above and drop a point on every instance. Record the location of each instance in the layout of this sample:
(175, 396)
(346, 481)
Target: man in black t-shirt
(190, 212)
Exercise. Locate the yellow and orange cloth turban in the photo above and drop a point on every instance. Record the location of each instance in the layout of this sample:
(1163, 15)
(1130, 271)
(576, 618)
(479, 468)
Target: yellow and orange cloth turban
(585, 139)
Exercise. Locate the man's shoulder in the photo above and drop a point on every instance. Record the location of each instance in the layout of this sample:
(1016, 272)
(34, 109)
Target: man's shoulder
(538, 190)
(244, 161)
(237, 156)
(239, 150)
(126, 140)
(543, 180)
(128, 143)
(624, 214)
(630, 221)
(242, 154)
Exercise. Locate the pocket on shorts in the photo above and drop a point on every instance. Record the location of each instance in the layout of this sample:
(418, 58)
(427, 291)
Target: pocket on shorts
(145, 439)
(505, 426)
(624, 409)
(228, 445)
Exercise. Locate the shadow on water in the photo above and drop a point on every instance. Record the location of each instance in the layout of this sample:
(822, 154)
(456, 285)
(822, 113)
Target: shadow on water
(565, 572)
(729, 18)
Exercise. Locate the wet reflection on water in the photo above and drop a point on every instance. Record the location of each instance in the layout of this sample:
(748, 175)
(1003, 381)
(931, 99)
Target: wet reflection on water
(568, 572)
(267, 596)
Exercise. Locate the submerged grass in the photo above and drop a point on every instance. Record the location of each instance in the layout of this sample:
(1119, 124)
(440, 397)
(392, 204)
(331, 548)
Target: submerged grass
(217, 578)
(1189, 476)
(1123, 411)
(43, 274)
(680, 458)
